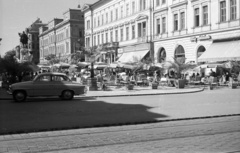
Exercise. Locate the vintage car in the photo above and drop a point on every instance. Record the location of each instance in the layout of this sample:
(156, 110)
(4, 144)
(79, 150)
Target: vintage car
(47, 84)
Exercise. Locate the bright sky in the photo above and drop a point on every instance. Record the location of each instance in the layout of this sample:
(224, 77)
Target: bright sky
(16, 15)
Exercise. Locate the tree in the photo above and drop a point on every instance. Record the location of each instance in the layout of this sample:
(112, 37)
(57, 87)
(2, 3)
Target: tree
(178, 66)
(52, 59)
(10, 65)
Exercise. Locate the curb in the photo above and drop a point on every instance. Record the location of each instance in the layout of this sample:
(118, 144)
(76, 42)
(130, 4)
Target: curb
(147, 94)
(136, 94)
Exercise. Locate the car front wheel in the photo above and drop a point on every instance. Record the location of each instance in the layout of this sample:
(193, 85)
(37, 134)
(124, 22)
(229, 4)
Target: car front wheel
(67, 95)
(19, 96)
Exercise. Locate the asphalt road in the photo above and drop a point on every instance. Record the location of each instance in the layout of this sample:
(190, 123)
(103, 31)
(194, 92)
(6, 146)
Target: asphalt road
(41, 114)
(215, 135)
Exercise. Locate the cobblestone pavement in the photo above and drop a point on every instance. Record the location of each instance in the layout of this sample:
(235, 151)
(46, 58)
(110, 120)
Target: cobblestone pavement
(202, 135)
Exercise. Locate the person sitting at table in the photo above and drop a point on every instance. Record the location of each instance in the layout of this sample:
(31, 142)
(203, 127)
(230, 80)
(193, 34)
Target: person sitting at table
(133, 78)
(204, 80)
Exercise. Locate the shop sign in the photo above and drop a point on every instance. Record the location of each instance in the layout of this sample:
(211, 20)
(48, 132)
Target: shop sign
(193, 39)
(204, 37)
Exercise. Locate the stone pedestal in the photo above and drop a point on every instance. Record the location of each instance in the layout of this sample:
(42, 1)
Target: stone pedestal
(92, 83)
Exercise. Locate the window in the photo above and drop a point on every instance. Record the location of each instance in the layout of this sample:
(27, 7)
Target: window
(98, 20)
(157, 2)
(158, 26)
(88, 24)
(133, 31)
(200, 51)
(95, 22)
(106, 17)
(205, 15)
(175, 22)
(127, 33)
(121, 12)
(163, 2)
(87, 42)
(116, 35)
(102, 38)
(106, 37)
(233, 10)
(161, 55)
(94, 42)
(164, 25)
(111, 18)
(133, 7)
(142, 5)
(121, 35)
(111, 36)
(180, 54)
(142, 29)
(223, 11)
(182, 26)
(127, 9)
(116, 14)
(98, 39)
(102, 19)
(196, 17)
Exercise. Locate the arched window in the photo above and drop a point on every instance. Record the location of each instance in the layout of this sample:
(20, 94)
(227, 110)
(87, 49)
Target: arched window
(200, 51)
(180, 54)
(161, 55)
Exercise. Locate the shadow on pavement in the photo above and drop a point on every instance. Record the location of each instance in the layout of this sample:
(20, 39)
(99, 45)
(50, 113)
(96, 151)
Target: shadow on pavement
(41, 114)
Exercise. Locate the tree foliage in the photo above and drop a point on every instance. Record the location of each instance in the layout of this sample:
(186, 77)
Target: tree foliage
(10, 65)
(52, 59)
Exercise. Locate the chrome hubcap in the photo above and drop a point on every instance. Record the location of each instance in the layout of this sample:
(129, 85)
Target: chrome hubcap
(19, 96)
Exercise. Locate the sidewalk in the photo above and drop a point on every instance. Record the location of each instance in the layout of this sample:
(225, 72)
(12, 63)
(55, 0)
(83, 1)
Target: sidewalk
(117, 91)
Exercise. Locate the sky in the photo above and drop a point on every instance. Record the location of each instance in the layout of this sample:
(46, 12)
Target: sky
(16, 15)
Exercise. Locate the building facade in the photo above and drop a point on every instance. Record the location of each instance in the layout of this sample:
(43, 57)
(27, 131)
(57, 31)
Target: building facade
(185, 29)
(162, 29)
(125, 22)
(62, 37)
(33, 40)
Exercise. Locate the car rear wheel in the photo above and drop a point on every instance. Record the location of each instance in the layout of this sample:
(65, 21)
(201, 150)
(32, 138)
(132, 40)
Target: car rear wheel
(19, 96)
(67, 95)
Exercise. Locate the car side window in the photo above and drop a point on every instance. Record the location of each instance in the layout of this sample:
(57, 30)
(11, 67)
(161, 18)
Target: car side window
(44, 78)
(59, 78)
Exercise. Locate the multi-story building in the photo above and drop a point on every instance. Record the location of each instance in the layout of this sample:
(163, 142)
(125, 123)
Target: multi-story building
(127, 22)
(166, 29)
(33, 41)
(62, 37)
(195, 31)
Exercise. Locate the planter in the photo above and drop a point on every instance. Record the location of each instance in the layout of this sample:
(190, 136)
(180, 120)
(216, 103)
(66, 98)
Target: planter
(233, 85)
(129, 86)
(211, 87)
(180, 83)
(154, 85)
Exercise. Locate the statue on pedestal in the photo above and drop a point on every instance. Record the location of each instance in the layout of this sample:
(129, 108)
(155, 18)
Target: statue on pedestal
(23, 39)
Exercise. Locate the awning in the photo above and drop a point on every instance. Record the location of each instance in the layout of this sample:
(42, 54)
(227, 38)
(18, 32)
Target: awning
(221, 51)
(131, 57)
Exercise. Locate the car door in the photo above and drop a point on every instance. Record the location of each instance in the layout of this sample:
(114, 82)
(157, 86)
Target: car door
(42, 86)
(58, 83)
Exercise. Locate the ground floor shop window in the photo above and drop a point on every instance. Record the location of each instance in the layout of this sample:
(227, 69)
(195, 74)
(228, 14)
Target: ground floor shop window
(161, 55)
(180, 54)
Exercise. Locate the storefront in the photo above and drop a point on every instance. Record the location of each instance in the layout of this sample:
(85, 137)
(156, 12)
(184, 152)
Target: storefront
(133, 54)
(108, 52)
(222, 50)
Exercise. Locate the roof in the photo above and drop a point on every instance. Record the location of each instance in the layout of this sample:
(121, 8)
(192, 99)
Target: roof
(52, 73)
